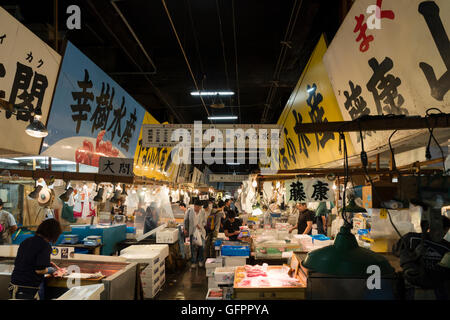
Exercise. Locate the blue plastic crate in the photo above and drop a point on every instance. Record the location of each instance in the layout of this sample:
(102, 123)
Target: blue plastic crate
(131, 230)
(235, 251)
(320, 237)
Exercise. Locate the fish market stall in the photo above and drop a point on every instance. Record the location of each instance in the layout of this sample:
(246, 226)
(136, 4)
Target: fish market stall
(119, 278)
(117, 275)
(270, 282)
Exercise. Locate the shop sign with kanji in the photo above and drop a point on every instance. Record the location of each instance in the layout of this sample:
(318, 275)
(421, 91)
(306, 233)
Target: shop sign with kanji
(28, 71)
(309, 190)
(91, 115)
(116, 166)
(391, 57)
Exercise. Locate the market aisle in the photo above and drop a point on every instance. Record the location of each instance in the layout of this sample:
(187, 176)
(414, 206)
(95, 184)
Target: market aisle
(185, 285)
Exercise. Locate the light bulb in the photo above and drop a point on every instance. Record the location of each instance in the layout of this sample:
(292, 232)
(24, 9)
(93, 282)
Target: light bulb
(278, 185)
(254, 184)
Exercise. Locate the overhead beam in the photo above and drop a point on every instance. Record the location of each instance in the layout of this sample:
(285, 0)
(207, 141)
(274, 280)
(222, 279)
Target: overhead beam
(311, 173)
(378, 123)
(78, 176)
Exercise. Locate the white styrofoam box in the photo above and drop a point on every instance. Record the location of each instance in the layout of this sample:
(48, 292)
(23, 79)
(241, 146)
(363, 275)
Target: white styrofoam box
(224, 275)
(162, 248)
(151, 254)
(150, 257)
(214, 298)
(282, 234)
(89, 292)
(150, 273)
(234, 261)
(212, 284)
(210, 272)
(213, 263)
(168, 235)
(150, 292)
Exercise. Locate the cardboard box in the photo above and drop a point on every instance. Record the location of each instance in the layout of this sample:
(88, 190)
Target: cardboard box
(234, 261)
(168, 235)
(373, 198)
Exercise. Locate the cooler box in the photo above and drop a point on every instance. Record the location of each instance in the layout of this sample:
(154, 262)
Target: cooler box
(224, 275)
(211, 264)
(168, 235)
(234, 261)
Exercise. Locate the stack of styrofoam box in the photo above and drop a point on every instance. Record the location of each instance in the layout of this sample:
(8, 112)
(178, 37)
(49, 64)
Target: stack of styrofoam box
(210, 265)
(168, 235)
(152, 257)
(234, 261)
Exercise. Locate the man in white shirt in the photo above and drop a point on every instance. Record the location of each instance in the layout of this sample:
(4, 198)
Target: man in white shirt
(9, 225)
(194, 220)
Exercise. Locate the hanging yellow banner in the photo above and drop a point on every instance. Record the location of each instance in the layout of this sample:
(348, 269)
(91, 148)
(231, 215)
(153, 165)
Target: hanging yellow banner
(153, 162)
(312, 101)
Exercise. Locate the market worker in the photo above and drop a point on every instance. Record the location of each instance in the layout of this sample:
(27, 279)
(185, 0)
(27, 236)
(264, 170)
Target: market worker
(212, 228)
(231, 226)
(119, 208)
(33, 261)
(7, 225)
(305, 219)
(151, 218)
(194, 225)
(321, 218)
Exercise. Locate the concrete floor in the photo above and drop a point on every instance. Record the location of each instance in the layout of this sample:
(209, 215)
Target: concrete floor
(185, 285)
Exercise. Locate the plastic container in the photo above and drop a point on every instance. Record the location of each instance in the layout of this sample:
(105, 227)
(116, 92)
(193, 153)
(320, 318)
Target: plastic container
(224, 275)
(235, 251)
(70, 239)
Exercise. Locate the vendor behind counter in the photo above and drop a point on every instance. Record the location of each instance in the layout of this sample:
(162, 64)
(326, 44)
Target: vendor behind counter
(232, 225)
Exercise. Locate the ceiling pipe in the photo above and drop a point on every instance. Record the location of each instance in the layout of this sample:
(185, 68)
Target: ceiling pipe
(156, 90)
(113, 3)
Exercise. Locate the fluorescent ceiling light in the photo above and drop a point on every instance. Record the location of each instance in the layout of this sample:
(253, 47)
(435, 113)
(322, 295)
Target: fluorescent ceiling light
(223, 118)
(212, 93)
(9, 161)
(62, 162)
(31, 158)
(233, 164)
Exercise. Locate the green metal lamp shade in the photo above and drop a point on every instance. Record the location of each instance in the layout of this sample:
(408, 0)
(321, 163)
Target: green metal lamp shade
(345, 258)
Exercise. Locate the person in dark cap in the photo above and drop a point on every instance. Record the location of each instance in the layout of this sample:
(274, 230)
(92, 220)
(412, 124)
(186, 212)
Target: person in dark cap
(232, 226)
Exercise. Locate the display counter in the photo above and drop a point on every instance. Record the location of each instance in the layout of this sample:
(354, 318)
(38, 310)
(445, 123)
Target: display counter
(271, 282)
(118, 278)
